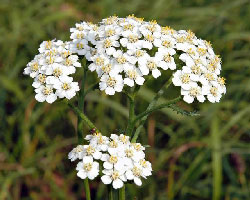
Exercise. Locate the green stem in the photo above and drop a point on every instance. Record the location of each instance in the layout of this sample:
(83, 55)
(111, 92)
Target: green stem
(81, 119)
(129, 129)
(81, 103)
(110, 192)
(122, 193)
(148, 111)
(160, 92)
(87, 190)
(216, 159)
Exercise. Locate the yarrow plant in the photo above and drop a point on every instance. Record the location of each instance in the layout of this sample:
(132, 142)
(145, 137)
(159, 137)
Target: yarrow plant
(124, 53)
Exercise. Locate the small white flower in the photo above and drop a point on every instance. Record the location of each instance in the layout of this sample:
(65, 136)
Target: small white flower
(111, 84)
(195, 91)
(115, 177)
(135, 174)
(65, 87)
(182, 78)
(45, 93)
(87, 168)
(150, 64)
(133, 75)
(76, 153)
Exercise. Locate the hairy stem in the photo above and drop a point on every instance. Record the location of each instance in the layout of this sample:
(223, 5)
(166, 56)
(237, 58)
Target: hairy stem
(160, 92)
(148, 111)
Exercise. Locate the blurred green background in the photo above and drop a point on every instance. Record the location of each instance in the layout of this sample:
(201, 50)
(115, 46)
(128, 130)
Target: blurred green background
(194, 158)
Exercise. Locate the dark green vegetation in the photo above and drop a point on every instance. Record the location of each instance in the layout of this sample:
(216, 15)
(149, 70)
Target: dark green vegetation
(194, 158)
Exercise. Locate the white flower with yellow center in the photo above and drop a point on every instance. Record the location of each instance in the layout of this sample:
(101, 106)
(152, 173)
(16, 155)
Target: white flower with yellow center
(79, 46)
(113, 161)
(115, 177)
(111, 84)
(146, 167)
(92, 151)
(213, 93)
(182, 78)
(45, 93)
(33, 68)
(195, 92)
(65, 87)
(41, 79)
(166, 58)
(132, 41)
(76, 153)
(88, 168)
(135, 174)
(133, 75)
(150, 64)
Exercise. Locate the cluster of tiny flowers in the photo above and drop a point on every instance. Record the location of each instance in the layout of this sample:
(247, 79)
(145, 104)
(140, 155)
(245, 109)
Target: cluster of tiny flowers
(124, 50)
(50, 70)
(121, 160)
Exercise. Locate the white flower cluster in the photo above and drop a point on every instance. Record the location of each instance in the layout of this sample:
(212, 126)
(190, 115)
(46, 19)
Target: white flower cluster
(51, 69)
(124, 50)
(121, 160)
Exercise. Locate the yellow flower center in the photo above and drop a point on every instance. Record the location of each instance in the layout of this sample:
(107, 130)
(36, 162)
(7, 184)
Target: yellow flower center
(194, 92)
(99, 61)
(185, 78)
(149, 37)
(181, 39)
(222, 81)
(121, 60)
(191, 51)
(48, 45)
(202, 51)
(66, 86)
(139, 53)
(90, 150)
(132, 74)
(137, 146)
(42, 78)
(80, 35)
(57, 72)
(132, 38)
(87, 166)
(167, 58)
(80, 28)
(214, 91)
(151, 65)
(68, 62)
(110, 32)
(209, 76)
(136, 171)
(111, 82)
(166, 30)
(166, 43)
(127, 27)
(107, 43)
(129, 153)
(106, 68)
(34, 67)
(79, 46)
(123, 139)
(47, 91)
(113, 144)
(143, 163)
(115, 175)
(113, 159)
(196, 69)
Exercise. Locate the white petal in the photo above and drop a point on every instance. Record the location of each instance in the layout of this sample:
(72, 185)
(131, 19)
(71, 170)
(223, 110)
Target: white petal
(106, 179)
(137, 181)
(117, 184)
